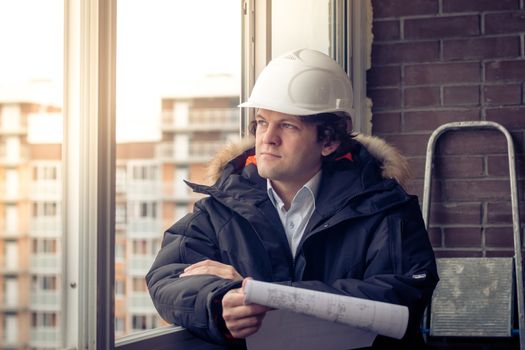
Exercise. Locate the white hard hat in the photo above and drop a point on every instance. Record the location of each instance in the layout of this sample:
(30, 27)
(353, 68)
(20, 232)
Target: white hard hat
(302, 82)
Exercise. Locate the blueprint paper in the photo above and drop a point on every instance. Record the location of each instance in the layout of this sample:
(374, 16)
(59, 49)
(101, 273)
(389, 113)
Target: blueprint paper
(286, 330)
(372, 316)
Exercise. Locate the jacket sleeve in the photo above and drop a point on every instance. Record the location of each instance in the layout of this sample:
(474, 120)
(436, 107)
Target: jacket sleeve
(399, 268)
(194, 301)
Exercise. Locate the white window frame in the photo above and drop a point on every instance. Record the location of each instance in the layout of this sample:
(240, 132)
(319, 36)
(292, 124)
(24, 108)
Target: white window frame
(89, 161)
(351, 49)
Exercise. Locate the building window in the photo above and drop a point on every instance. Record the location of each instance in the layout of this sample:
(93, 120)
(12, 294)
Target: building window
(44, 319)
(44, 283)
(119, 324)
(140, 247)
(139, 285)
(45, 172)
(120, 213)
(146, 210)
(141, 322)
(120, 287)
(44, 246)
(47, 209)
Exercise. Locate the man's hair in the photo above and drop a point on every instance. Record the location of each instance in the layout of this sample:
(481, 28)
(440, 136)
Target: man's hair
(331, 127)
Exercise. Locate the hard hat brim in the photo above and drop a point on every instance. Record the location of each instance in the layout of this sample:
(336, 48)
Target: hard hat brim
(293, 110)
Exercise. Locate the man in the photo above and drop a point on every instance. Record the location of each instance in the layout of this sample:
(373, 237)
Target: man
(309, 206)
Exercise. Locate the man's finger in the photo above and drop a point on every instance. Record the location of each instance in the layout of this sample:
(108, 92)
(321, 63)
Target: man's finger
(206, 262)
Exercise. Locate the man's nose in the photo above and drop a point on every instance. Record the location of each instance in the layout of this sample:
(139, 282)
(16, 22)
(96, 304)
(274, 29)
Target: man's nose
(272, 134)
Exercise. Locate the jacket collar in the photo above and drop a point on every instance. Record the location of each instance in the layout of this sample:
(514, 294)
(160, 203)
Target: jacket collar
(393, 164)
(366, 180)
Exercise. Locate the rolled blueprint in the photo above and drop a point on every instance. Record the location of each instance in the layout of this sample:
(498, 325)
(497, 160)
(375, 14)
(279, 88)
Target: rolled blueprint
(379, 317)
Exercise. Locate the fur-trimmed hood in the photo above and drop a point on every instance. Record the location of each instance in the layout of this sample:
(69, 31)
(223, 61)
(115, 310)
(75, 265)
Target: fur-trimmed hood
(394, 164)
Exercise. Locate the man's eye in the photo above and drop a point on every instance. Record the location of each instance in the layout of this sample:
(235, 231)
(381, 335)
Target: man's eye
(287, 126)
(261, 122)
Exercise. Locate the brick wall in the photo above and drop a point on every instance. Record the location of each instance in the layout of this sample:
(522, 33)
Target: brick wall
(439, 61)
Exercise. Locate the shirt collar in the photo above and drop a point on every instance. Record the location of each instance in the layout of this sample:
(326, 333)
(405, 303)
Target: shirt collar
(311, 186)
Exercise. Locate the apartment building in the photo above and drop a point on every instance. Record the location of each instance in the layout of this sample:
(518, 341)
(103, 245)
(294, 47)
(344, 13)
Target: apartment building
(30, 230)
(150, 196)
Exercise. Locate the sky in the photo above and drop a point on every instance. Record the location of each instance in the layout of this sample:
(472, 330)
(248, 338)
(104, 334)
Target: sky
(162, 46)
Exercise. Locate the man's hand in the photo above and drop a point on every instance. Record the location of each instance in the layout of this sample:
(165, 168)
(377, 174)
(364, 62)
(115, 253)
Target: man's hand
(212, 267)
(241, 319)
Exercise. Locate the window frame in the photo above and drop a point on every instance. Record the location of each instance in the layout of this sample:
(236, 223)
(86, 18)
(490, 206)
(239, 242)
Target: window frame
(88, 153)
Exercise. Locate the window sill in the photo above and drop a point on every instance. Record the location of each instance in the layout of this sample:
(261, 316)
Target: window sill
(164, 338)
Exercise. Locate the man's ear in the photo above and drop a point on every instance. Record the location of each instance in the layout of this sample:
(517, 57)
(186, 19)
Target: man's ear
(329, 147)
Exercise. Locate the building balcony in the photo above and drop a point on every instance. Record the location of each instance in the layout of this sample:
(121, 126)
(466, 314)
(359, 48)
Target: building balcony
(45, 190)
(6, 233)
(12, 269)
(140, 228)
(45, 263)
(8, 159)
(196, 152)
(140, 302)
(179, 193)
(13, 130)
(143, 190)
(139, 265)
(202, 119)
(9, 194)
(45, 337)
(45, 300)
(12, 305)
(43, 226)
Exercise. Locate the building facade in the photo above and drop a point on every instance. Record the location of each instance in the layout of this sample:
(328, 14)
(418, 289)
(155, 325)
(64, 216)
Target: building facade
(150, 196)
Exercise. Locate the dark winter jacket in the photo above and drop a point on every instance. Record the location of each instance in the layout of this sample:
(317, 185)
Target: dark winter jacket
(365, 239)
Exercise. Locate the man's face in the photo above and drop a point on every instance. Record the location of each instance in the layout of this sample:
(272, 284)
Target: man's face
(287, 149)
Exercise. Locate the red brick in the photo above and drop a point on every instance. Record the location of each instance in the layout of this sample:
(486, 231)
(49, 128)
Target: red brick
(518, 136)
(506, 22)
(510, 117)
(422, 97)
(461, 95)
(458, 167)
(455, 213)
(501, 212)
(386, 123)
(434, 233)
(499, 253)
(458, 253)
(441, 73)
(498, 165)
(499, 237)
(479, 5)
(409, 144)
(481, 48)
(471, 142)
(430, 120)
(416, 187)
(505, 70)
(386, 30)
(462, 236)
(475, 190)
(441, 27)
(423, 51)
(417, 167)
(502, 94)
(385, 98)
(383, 76)
(398, 8)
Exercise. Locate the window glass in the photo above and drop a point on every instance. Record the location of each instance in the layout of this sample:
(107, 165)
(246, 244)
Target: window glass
(31, 66)
(178, 86)
(301, 23)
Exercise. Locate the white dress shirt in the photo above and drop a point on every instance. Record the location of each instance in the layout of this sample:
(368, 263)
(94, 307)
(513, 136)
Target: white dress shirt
(301, 209)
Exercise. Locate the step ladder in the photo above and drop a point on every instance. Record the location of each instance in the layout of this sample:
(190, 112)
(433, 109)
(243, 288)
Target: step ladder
(475, 297)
